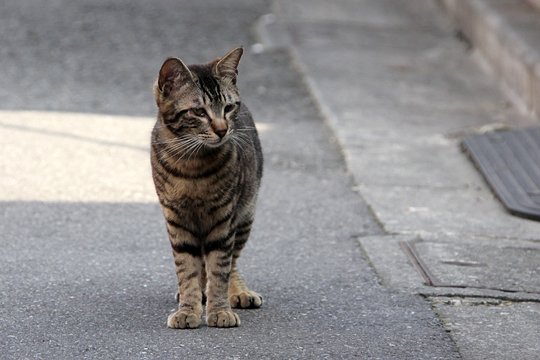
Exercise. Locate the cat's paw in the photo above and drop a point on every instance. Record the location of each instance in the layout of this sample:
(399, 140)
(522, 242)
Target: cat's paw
(246, 300)
(183, 319)
(223, 318)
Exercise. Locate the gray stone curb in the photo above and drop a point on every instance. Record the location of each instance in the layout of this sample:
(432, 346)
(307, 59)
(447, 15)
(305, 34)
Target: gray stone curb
(505, 33)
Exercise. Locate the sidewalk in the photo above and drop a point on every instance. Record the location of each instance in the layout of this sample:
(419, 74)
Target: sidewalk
(400, 91)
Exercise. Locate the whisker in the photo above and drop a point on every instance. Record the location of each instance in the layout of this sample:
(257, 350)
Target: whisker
(178, 149)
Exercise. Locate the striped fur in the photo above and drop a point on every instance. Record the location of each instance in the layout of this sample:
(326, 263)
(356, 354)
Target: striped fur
(207, 167)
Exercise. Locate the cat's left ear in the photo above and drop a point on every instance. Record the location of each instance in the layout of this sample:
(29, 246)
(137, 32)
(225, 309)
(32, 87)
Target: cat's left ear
(227, 66)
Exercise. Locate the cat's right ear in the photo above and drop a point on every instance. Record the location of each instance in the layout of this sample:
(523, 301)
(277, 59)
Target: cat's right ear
(172, 69)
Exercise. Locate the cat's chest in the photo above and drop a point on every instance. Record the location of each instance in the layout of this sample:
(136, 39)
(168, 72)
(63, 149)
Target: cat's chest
(200, 178)
(199, 203)
(196, 193)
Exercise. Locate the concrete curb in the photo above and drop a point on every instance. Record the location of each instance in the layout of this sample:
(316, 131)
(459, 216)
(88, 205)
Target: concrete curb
(272, 33)
(535, 3)
(504, 34)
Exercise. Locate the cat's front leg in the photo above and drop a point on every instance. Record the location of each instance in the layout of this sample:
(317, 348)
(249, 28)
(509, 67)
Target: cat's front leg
(189, 263)
(218, 260)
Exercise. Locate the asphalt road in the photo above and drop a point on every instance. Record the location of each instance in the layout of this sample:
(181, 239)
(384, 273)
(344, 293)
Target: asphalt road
(86, 269)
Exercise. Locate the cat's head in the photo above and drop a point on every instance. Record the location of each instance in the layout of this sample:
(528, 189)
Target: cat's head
(199, 101)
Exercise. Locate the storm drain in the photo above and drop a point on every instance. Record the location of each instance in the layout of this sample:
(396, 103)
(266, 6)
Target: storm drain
(510, 163)
(511, 266)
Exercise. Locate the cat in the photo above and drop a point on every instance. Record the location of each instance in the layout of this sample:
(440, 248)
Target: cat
(207, 167)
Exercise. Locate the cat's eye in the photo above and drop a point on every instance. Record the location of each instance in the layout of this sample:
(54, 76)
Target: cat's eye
(199, 112)
(228, 108)
(179, 115)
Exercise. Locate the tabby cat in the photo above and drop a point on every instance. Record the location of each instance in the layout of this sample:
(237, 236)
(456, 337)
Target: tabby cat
(207, 167)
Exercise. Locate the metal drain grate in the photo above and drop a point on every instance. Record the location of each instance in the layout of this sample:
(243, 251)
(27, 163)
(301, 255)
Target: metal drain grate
(504, 265)
(510, 162)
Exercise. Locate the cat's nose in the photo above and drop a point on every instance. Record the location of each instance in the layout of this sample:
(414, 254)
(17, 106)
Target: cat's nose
(220, 128)
(221, 132)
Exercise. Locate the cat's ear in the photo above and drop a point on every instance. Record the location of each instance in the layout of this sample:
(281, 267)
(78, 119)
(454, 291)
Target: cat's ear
(227, 66)
(171, 70)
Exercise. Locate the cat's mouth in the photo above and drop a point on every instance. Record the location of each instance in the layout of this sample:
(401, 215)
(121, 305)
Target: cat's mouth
(217, 142)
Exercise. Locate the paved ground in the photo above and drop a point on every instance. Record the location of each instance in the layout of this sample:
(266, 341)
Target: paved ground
(87, 270)
(361, 106)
